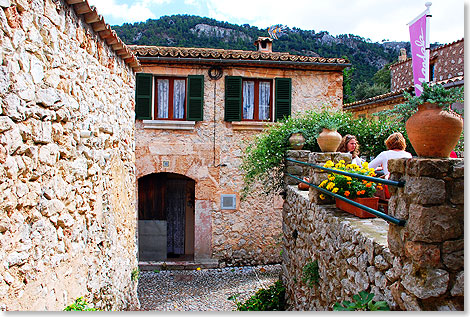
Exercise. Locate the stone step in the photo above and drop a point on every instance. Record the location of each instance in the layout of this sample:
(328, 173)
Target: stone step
(177, 265)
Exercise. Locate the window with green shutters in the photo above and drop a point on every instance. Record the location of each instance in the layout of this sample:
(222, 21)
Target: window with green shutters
(143, 96)
(233, 98)
(195, 97)
(283, 98)
(248, 99)
(174, 98)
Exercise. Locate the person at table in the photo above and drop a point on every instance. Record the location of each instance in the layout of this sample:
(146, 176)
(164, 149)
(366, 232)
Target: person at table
(396, 146)
(349, 144)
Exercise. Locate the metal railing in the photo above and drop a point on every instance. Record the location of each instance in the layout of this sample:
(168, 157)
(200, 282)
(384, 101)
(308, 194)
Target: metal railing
(377, 213)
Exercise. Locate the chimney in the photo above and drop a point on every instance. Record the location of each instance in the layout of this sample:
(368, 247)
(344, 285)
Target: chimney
(402, 57)
(264, 44)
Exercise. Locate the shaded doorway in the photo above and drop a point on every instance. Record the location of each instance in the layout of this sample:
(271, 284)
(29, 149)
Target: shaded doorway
(166, 217)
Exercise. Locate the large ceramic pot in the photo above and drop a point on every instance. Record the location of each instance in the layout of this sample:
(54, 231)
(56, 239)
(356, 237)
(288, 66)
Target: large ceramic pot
(329, 140)
(297, 141)
(434, 132)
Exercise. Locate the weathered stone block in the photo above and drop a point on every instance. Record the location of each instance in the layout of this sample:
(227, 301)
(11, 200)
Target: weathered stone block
(423, 254)
(456, 191)
(453, 254)
(435, 224)
(459, 285)
(458, 168)
(428, 167)
(424, 282)
(425, 190)
(397, 166)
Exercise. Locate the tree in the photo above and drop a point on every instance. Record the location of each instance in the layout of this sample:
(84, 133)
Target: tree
(364, 90)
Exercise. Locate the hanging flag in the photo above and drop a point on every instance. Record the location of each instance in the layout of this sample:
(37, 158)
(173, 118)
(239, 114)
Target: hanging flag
(419, 40)
(275, 31)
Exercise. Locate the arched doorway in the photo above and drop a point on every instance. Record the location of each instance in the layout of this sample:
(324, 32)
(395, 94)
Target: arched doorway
(166, 217)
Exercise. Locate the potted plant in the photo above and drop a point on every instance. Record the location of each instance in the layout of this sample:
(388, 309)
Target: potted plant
(352, 188)
(328, 123)
(434, 130)
(297, 140)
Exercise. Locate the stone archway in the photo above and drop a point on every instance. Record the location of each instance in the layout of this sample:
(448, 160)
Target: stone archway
(166, 217)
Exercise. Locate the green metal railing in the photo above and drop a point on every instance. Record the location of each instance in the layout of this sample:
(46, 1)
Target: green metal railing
(377, 213)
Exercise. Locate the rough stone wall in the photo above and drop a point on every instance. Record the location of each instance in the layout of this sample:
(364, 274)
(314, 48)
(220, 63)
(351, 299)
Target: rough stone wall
(251, 233)
(415, 267)
(67, 172)
(430, 248)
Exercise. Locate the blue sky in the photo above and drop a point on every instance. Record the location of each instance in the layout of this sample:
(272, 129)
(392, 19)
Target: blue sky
(373, 19)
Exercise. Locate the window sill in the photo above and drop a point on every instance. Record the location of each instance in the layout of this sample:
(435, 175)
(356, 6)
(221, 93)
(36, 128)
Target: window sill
(169, 124)
(250, 125)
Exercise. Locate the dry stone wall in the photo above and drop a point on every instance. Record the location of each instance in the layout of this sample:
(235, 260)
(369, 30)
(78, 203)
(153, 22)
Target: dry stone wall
(416, 267)
(67, 172)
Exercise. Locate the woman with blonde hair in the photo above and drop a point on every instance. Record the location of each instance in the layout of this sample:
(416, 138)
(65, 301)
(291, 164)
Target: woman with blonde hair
(349, 144)
(396, 145)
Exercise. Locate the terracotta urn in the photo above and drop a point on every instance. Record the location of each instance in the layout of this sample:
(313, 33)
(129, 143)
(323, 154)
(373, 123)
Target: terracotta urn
(329, 140)
(297, 141)
(434, 132)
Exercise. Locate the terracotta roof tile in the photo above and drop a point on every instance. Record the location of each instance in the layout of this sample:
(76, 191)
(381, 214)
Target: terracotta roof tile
(161, 51)
(91, 16)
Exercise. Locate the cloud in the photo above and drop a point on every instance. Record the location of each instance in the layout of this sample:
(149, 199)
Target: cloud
(135, 12)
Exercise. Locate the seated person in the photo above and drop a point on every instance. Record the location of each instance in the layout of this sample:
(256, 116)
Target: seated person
(396, 145)
(349, 144)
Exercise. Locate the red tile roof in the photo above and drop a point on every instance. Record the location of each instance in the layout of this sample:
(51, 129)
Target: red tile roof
(234, 55)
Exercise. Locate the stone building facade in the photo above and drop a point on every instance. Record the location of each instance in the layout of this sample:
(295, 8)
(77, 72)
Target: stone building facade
(415, 267)
(446, 68)
(194, 160)
(67, 164)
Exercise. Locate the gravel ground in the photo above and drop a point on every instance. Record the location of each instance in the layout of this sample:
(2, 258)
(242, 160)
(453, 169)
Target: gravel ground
(203, 290)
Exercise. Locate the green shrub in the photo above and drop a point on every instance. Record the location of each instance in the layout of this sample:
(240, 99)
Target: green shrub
(310, 275)
(270, 299)
(135, 274)
(362, 301)
(79, 305)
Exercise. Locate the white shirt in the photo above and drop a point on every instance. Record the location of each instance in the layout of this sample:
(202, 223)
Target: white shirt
(382, 159)
(358, 161)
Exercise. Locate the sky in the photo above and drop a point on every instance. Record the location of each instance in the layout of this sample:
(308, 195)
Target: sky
(376, 20)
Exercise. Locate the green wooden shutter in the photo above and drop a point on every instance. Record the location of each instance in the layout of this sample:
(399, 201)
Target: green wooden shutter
(195, 102)
(233, 98)
(143, 96)
(283, 98)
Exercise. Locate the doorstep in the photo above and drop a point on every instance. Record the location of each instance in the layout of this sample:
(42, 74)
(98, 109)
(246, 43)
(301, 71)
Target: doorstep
(178, 265)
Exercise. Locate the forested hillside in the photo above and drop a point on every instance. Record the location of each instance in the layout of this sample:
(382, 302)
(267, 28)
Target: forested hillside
(193, 31)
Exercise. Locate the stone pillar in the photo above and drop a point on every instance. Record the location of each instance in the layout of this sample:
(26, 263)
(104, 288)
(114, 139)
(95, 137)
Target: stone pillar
(318, 175)
(296, 169)
(429, 249)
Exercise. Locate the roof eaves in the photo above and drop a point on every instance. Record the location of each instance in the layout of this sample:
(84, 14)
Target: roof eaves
(96, 21)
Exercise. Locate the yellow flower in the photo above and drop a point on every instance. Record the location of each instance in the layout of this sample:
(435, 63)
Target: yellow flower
(348, 178)
(365, 164)
(329, 164)
(322, 196)
(330, 186)
(323, 183)
(198, 269)
(331, 177)
(335, 190)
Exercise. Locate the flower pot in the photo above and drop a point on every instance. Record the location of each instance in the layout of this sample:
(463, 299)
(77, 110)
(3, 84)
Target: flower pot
(297, 141)
(432, 131)
(329, 140)
(372, 202)
(303, 186)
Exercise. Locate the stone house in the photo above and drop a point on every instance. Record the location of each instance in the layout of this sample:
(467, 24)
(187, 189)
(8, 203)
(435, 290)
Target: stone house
(67, 165)
(446, 68)
(195, 108)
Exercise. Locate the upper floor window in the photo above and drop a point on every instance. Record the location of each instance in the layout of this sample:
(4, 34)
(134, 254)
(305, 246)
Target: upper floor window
(252, 99)
(257, 100)
(169, 98)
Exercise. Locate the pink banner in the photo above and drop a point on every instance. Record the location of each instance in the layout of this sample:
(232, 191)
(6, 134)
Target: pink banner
(418, 52)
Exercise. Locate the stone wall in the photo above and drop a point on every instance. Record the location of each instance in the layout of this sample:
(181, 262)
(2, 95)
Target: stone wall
(415, 267)
(67, 172)
(211, 154)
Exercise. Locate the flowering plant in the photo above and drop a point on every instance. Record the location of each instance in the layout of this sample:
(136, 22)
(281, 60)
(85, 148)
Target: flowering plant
(346, 186)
